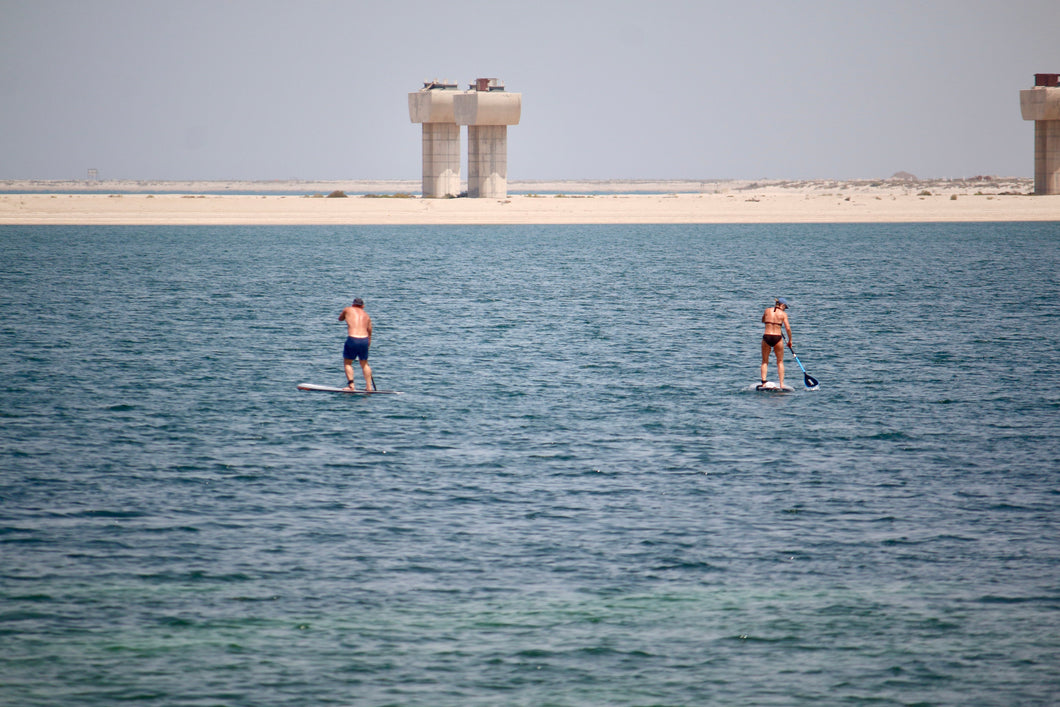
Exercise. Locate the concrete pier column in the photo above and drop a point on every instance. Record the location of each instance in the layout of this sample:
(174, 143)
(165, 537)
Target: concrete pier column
(441, 160)
(487, 109)
(1042, 105)
(487, 161)
(1047, 156)
(432, 106)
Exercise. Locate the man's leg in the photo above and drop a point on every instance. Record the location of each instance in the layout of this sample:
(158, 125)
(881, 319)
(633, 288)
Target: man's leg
(347, 364)
(366, 370)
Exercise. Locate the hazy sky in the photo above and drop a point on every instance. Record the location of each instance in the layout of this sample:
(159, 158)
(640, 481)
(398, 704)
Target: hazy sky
(655, 89)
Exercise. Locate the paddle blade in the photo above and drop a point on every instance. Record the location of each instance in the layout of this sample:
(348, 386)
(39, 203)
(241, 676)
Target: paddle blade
(810, 381)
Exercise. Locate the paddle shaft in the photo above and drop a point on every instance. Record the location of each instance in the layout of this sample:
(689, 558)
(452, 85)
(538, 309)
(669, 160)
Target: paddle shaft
(809, 380)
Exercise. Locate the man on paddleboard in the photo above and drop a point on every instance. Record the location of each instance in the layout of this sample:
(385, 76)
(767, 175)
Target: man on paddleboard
(776, 320)
(358, 339)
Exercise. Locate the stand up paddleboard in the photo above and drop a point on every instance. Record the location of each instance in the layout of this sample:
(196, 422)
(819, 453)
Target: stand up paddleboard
(329, 389)
(772, 387)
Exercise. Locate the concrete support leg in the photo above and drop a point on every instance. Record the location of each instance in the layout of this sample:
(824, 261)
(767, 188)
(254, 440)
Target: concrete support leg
(487, 161)
(441, 160)
(1047, 157)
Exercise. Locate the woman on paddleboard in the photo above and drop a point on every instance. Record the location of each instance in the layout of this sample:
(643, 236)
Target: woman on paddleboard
(776, 320)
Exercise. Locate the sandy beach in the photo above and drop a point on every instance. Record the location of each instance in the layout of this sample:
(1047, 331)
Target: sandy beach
(544, 202)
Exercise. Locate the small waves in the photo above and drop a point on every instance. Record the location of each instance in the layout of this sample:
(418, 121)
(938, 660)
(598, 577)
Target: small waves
(574, 501)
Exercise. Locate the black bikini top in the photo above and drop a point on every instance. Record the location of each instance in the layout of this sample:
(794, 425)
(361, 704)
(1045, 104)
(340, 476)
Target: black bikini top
(775, 323)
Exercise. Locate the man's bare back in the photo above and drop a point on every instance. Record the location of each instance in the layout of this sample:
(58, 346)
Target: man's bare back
(358, 323)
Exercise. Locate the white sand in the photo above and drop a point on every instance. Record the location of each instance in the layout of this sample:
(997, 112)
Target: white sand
(817, 201)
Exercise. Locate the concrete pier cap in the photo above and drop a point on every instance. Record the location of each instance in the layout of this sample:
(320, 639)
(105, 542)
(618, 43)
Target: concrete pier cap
(433, 103)
(1042, 105)
(487, 103)
(1043, 101)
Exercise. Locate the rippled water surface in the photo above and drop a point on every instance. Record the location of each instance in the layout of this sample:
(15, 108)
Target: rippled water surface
(576, 500)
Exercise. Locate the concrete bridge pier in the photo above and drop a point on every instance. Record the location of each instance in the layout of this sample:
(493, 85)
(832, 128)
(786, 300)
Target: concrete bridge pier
(432, 106)
(1042, 105)
(487, 110)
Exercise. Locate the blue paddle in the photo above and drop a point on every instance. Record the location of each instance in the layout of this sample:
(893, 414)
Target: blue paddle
(810, 381)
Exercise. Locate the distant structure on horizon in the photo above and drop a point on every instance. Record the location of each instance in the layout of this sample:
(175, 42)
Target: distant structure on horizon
(433, 106)
(1042, 105)
(487, 110)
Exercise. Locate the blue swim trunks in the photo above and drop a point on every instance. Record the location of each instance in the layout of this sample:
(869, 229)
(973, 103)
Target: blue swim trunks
(356, 348)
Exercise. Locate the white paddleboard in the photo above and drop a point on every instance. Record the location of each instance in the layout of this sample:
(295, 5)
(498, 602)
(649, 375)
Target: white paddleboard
(330, 389)
(772, 387)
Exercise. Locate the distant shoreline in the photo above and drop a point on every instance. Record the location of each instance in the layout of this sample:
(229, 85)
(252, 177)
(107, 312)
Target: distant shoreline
(397, 202)
(528, 186)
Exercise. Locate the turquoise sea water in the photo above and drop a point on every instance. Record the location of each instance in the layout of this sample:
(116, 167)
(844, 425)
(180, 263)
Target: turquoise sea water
(576, 500)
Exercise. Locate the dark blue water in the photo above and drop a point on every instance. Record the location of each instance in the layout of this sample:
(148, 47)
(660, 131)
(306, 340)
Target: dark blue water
(576, 501)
